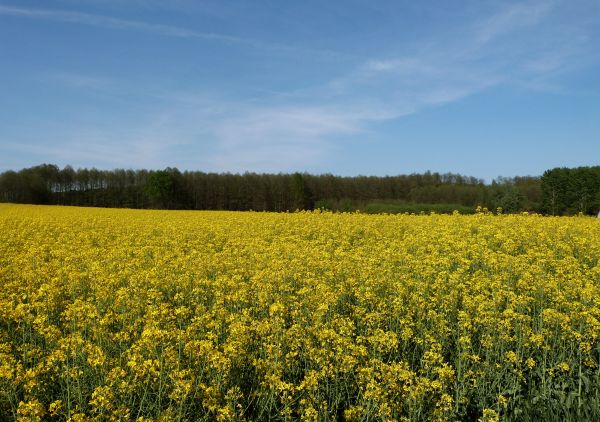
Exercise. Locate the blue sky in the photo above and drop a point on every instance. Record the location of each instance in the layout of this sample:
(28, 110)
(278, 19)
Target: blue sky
(483, 88)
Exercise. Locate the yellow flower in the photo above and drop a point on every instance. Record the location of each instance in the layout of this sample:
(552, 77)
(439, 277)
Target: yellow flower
(511, 357)
(502, 400)
(489, 415)
(31, 410)
(564, 366)
(224, 315)
(55, 407)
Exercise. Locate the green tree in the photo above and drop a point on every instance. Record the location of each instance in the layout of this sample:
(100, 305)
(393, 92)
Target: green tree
(160, 188)
(554, 190)
(302, 198)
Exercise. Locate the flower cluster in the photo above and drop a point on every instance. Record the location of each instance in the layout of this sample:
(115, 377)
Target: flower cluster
(175, 315)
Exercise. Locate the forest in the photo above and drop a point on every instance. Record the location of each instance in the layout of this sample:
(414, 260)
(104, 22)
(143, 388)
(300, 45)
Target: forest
(559, 191)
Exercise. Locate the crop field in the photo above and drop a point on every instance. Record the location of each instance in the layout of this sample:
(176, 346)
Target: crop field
(112, 314)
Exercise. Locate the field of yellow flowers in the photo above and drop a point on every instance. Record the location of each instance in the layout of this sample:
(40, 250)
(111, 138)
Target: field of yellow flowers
(184, 315)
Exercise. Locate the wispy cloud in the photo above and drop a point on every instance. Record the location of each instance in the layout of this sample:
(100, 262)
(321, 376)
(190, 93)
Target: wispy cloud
(284, 138)
(302, 129)
(109, 149)
(381, 89)
(80, 80)
(118, 23)
(110, 22)
(514, 17)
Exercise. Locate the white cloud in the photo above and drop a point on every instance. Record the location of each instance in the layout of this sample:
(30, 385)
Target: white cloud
(516, 16)
(398, 65)
(299, 131)
(447, 71)
(117, 23)
(144, 143)
(110, 22)
(80, 80)
(283, 138)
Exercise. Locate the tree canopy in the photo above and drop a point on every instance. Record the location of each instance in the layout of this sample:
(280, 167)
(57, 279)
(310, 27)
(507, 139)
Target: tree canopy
(559, 191)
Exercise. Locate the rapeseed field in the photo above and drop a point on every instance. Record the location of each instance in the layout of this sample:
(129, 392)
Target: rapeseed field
(183, 315)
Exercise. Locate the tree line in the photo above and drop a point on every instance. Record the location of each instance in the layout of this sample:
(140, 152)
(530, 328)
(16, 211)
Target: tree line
(558, 191)
(571, 190)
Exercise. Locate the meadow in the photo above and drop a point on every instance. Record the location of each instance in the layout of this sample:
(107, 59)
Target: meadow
(143, 315)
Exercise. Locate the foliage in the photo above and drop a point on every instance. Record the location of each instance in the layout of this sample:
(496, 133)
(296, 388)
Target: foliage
(166, 190)
(160, 188)
(170, 188)
(399, 208)
(301, 194)
(126, 314)
(571, 190)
